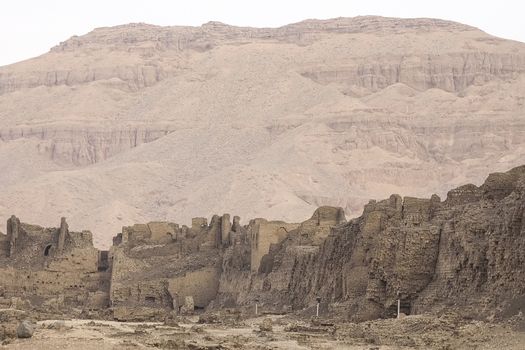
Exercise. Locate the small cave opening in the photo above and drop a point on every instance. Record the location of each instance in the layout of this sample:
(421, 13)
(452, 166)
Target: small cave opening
(47, 249)
(150, 300)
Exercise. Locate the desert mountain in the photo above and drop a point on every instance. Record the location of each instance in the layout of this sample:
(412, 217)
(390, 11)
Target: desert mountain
(138, 122)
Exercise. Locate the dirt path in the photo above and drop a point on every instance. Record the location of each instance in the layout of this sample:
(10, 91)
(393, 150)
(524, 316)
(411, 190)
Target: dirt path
(411, 333)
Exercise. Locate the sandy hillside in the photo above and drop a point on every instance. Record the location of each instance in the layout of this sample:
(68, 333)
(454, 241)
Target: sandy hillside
(138, 122)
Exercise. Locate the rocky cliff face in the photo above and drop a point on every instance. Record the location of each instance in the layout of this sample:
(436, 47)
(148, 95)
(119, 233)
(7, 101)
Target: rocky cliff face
(149, 45)
(171, 122)
(79, 147)
(462, 253)
(453, 72)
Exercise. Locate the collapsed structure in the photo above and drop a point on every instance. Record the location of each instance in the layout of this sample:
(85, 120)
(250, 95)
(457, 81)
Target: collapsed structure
(466, 252)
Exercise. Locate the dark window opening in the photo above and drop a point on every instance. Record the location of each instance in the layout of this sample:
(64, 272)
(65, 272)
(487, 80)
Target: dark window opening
(150, 299)
(405, 307)
(103, 260)
(48, 248)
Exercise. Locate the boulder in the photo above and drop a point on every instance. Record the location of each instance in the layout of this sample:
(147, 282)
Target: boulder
(266, 325)
(25, 329)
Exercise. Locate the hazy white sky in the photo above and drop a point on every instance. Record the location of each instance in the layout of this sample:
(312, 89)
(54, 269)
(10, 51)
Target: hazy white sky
(30, 27)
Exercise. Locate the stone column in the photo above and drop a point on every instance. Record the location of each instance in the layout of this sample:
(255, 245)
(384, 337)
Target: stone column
(64, 230)
(13, 230)
(215, 231)
(226, 227)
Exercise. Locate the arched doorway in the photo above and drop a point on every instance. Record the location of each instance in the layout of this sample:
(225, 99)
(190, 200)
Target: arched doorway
(47, 249)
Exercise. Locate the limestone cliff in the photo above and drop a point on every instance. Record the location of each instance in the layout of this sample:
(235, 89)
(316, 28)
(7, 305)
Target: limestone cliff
(153, 42)
(80, 146)
(172, 122)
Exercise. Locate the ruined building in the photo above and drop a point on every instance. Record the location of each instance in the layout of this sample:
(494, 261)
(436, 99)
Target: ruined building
(466, 252)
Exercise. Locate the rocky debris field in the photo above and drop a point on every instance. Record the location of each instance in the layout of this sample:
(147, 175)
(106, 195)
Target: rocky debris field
(216, 331)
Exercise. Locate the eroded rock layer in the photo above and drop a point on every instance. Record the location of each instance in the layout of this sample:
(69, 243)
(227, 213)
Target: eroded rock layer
(172, 122)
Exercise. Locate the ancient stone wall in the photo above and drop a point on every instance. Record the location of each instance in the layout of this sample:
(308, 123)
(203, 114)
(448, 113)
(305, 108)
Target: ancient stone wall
(52, 269)
(433, 255)
(160, 265)
(202, 285)
(465, 253)
(264, 233)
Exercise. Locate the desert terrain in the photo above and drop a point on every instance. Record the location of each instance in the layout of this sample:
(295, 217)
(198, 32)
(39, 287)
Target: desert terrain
(352, 183)
(413, 332)
(409, 273)
(139, 122)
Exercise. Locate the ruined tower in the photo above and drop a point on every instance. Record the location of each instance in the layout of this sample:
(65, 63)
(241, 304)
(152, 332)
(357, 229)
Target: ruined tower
(64, 230)
(13, 230)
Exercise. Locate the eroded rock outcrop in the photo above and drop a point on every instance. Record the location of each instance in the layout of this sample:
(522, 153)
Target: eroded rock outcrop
(81, 146)
(144, 45)
(465, 252)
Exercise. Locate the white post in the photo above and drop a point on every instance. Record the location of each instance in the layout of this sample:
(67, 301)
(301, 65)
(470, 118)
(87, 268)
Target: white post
(317, 310)
(398, 306)
(255, 308)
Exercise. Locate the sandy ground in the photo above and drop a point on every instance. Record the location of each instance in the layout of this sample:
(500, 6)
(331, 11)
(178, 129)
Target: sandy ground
(410, 333)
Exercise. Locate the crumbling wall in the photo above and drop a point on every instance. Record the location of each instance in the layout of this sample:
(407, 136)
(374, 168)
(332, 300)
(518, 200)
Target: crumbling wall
(277, 250)
(158, 265)
(163, 231)
(482, 249)
(466, 252)
(51, 269)
(263, 234)
(202, 285)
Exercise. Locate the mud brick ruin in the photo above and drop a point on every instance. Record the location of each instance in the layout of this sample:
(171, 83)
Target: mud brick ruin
(466, 252)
